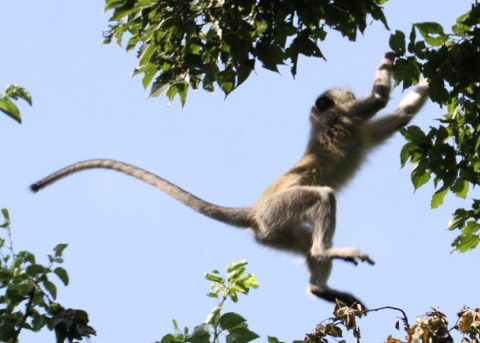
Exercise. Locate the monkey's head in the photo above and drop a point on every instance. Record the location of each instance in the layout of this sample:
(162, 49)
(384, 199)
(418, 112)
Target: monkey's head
(333, 102)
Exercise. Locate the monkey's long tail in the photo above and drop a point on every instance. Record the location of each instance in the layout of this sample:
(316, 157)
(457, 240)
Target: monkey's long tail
(241, 217)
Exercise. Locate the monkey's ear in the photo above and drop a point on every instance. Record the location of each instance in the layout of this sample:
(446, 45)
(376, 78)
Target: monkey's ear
(324, 102)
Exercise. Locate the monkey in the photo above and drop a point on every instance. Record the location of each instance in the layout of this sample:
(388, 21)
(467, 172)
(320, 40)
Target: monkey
(297, 213)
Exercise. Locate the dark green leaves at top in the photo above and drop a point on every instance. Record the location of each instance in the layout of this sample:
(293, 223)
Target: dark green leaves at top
(6, 104)
(183, 44)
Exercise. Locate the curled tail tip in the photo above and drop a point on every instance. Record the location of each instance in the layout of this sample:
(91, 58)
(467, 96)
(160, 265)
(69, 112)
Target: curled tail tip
(35, 187)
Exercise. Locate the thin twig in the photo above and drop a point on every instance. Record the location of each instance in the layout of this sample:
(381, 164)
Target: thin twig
(11, 242)
(404, 319)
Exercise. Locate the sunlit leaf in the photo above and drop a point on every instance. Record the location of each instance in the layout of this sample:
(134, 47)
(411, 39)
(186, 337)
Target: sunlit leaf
(9, 108)
(438, 197)
(236, 265)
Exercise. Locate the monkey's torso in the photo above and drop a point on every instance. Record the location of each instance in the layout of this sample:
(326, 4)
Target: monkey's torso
(333, 154)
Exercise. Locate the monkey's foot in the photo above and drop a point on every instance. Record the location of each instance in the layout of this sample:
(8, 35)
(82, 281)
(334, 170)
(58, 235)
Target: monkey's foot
(331, 295)
(349, 254)
(355, 259)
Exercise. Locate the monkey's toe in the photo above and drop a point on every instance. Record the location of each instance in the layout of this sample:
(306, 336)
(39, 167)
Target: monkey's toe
(368, 260)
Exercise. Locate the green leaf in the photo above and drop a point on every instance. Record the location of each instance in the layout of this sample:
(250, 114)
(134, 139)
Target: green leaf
(406, 153)
(460, 188)
(214, 278)
(168, 338)
(35, 269)
(273, 340)
(460, 29)
(397, 42)
(438, 197)
(236, 265)
(5, 275)
(244, 285)
(38, 321)
(428, 29)
(413, 134)
(112, 4)
(9, 108)
(62, 274)
(232, 293)
(471, 228)
(213, 316)
(51, 288)
(420, 175)
(59, 249)
(158, 89)
(200, 334)
(15, 91)
(235, 275)
(230, 320)
(463, 243)
(241, 335)
(6, 215)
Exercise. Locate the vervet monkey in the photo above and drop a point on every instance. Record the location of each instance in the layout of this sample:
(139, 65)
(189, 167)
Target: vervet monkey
(297, 212)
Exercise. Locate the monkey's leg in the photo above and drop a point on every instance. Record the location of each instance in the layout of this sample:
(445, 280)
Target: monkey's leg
(282, 217)
(319, 273)
(322, 217)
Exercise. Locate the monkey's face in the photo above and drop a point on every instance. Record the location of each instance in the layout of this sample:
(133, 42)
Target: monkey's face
(334, 102)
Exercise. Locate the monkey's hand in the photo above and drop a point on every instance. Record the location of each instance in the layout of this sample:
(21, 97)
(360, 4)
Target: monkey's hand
(390, 56)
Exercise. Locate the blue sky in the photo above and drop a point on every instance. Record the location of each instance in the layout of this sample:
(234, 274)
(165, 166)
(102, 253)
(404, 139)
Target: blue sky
(136, 258)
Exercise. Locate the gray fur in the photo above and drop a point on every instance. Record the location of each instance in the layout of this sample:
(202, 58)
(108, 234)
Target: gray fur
(297, 212)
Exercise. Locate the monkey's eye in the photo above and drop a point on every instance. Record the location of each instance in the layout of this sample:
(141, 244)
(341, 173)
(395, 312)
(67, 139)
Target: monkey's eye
(324, 102)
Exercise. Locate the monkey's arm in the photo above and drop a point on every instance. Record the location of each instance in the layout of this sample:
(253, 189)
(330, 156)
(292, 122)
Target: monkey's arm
(378, 98)
(379, 130)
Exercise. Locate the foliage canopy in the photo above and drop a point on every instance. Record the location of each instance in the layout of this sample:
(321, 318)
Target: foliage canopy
(188, 43)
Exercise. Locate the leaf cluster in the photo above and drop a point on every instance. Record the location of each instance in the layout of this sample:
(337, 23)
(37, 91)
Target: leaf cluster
(195, 43)
(450, 153)
(27, 293)
(8, 107)
(229, 327)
